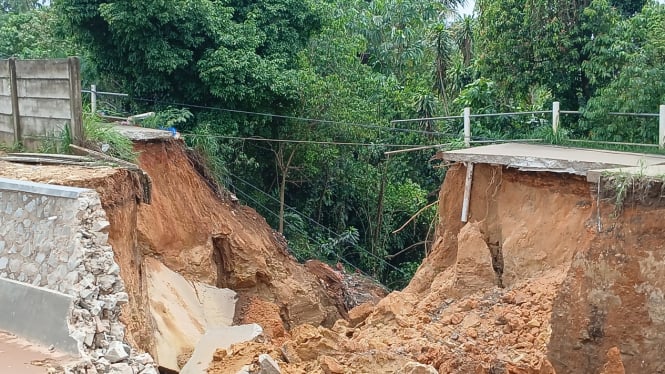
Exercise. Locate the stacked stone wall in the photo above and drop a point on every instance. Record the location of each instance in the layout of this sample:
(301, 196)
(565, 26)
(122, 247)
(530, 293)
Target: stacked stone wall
(36, 245)
(56, 237)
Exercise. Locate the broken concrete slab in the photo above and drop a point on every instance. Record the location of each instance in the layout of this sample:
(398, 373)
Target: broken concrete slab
(219, 304)
(268, 365)
(142, 133)
(218, 338)
(149, 370)
(653, 171)
(22, 313)
(116, 352)
(183, 311)
(535, 157)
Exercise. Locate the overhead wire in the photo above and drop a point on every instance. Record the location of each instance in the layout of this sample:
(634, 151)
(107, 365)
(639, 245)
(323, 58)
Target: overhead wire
(282, 116)
(247, 196)
(318, 224)
(299, 141)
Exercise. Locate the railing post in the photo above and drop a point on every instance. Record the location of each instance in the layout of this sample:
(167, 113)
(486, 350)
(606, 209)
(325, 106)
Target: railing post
(13, 89)
(93, 99)
(555, 117)
(661, 127)
(467, 127)
(76, 110)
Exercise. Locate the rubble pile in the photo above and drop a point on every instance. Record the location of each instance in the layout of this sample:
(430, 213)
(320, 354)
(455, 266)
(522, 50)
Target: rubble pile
(99, 295)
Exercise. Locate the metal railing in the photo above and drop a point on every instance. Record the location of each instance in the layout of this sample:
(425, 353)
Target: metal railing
(556, 113)
(466, 116)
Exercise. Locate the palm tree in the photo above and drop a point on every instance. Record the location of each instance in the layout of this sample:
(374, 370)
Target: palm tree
(463, 35)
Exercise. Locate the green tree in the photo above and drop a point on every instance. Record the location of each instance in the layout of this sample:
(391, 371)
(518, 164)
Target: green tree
(19, 6)
(627, 67)
(353, 63)
(31, 34)
(529, 43)
(629, 7)
(194, 50)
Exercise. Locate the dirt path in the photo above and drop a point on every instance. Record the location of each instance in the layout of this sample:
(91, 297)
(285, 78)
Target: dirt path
(18, 356)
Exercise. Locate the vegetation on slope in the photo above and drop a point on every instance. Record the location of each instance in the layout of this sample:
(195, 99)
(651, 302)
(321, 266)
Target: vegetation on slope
(327, 77)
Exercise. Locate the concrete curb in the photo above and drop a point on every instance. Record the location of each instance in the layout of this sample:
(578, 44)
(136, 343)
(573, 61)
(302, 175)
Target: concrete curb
(36, 314)
(41, 188)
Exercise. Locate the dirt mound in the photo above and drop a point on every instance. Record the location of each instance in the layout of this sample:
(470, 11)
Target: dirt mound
(481, 301)
(191, 227)
(545, 278)
(204, 238)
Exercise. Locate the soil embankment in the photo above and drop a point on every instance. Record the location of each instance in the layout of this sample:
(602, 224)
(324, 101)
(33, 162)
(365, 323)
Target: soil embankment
(480, 302)
(205, 238)
(197, 233)
(529, 285)
(546, 277)
(611, 309)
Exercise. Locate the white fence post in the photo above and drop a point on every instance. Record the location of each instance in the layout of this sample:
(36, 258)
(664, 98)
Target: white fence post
(555, 117)
(93, 99)
(661, 127)
(467, 127)
(467, 191)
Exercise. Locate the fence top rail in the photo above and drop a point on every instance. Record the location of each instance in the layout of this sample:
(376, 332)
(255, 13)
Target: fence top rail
(634, 114)
(511, 113)
(615, 113)
(106, 93)
(485, 141)
(472, 116)
(426, 119)
(611, 143)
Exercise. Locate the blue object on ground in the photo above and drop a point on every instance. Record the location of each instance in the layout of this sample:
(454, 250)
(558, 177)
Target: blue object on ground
(171, 129)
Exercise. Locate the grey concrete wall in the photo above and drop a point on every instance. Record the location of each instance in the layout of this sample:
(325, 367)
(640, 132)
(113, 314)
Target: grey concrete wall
(38, 98)
(55, 237)
(23, 312)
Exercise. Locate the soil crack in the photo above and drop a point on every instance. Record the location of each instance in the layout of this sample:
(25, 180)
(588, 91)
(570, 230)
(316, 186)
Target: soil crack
(497, 261)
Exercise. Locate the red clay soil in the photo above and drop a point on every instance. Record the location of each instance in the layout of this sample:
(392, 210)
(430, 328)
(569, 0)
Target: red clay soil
(195, 232)
(203, 237)
(611, 304)
(545, 277)
(508, 292)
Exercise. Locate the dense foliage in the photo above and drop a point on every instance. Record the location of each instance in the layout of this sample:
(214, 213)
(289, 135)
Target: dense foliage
(327, 77)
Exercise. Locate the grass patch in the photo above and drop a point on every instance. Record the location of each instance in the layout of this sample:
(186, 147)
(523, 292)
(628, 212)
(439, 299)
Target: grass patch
(620, 187)
(10, 148)
(104, 138)
(99, 136)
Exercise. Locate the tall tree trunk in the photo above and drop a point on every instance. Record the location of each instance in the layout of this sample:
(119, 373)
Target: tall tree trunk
(284, 173)
(379, 215)
(282, 188)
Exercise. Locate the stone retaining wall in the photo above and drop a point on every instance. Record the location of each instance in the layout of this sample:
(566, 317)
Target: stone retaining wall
(56, 237)
(36, 245)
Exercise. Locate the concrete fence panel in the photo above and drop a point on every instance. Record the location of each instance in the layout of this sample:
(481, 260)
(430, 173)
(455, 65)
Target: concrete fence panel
(38, 98)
